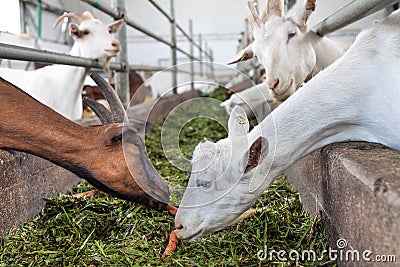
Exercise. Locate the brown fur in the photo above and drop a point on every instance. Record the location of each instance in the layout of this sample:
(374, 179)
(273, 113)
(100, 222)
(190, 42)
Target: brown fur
(93, 153)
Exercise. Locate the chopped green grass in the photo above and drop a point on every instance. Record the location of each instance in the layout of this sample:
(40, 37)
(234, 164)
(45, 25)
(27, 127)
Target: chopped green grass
(105, 231)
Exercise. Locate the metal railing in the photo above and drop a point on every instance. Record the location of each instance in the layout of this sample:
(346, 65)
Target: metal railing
(351, 13)
(171, 43)
(122, 65)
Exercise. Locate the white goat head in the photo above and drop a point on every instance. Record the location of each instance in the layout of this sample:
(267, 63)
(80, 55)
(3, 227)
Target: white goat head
(94, 40)
(217, 169)
(282, 45)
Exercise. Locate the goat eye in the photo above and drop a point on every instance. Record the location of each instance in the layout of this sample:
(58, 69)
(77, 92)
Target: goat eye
(291, 35)
(85, 32)
(203, 184)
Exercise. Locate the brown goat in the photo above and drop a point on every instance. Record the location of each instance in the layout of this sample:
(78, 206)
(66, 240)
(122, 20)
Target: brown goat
(96, 153)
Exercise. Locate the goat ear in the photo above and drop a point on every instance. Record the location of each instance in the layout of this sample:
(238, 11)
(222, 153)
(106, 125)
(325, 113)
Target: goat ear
(302, 11)
(274, 8)
(115, 26)
(255, 153)
(238, 124)
(74, 30)
(245, 54)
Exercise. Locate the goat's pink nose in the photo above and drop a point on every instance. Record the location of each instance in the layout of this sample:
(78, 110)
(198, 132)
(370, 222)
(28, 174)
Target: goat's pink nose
(179, 226)
(115, 44)
(274, 84)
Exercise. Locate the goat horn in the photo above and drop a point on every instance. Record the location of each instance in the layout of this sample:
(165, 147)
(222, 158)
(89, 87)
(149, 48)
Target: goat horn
(88, 15)
(252, 16)
(117, 109)
(76, 16)
(275, 7)
(101, 111)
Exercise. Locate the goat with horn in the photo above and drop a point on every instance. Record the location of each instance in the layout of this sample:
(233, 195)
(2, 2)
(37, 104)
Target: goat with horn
(96, 153)
(354, 99)
(60, 86)
(290, 53)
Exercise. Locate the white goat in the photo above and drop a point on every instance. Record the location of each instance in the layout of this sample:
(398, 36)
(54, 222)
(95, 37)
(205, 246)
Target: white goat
(354, 99)
(254, 100)
(290, 53)
(60, 86)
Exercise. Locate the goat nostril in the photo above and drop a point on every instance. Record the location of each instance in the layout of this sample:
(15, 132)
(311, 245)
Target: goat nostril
(115, 44)
(274, 84)
(179, 226)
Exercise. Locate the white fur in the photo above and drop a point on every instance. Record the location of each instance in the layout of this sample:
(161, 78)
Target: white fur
(253, 100)
(60, 86)
(294, 60)
(354, 99)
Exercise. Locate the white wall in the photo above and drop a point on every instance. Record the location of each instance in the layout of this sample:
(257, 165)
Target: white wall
(220, 23)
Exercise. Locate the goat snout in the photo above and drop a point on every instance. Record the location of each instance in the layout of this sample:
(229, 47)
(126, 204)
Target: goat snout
(274, 84)
(179, 229)
(116, 45)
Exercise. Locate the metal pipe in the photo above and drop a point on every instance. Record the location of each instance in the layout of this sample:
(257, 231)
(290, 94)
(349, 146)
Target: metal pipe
(44, 6)
(111, 12)
(173, 49)
(29, 54)
(23, 22)
(201, 50)
(350, 13)
(201, 54)
(39, 19)
(122, 77)
(184, 33)
(104, 8)
(116, 15)
(191, 55)
(145, 68)
(212, 65)
(159, 8)
(172, 20)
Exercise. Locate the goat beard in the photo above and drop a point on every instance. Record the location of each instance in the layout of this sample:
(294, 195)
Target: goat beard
(106, 66)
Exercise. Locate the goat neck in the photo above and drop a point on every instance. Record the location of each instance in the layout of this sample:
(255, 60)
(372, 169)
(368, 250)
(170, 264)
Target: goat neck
(93, 153)
(326, 51)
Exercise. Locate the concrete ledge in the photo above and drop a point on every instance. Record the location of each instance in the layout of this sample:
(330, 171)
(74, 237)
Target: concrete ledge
(24, 181)
(356, 188)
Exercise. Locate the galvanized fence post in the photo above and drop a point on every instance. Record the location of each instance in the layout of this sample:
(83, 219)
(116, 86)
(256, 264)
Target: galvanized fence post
(173, 48)
(191, 54)
(122, 77)
(201, 54)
